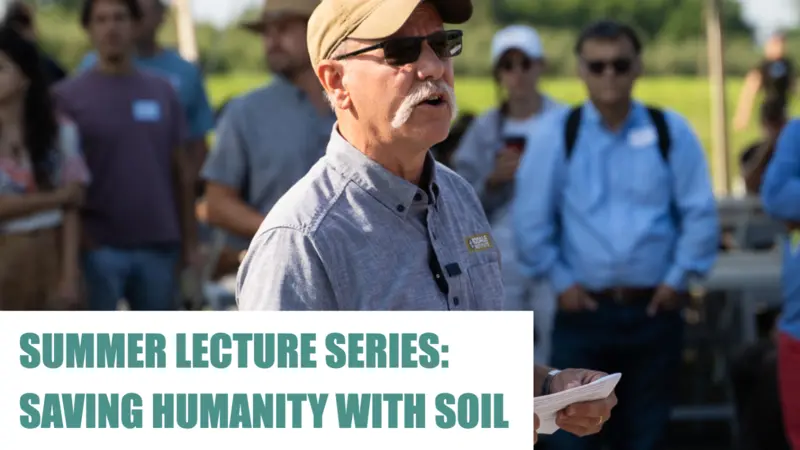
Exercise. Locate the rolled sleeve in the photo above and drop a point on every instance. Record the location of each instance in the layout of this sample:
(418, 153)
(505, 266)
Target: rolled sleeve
(227, 162)
(283, 271)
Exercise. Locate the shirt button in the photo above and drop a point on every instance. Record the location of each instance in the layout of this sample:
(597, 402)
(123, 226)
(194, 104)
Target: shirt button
(438, 276)
(401, 208)
(455, 301)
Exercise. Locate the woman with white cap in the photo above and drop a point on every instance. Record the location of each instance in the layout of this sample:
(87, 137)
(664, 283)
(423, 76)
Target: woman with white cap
(489, 154)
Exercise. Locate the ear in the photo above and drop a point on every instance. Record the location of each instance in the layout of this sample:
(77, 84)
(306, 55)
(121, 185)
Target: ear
(331, 76)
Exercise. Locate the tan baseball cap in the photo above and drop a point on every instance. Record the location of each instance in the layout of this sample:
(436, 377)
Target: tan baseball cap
(336, 20)
(277, 8)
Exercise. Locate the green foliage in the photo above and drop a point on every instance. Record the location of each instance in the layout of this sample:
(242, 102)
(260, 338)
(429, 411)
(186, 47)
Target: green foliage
(672, 19)
(673, 31)
(690, 96)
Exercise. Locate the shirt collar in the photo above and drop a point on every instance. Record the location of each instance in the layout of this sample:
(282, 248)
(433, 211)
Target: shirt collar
(284, 84)
(635, 117)
(392, 191)
(288, 86)
(548, 104)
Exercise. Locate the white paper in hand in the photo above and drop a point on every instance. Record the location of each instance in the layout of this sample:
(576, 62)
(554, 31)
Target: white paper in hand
(547, 406)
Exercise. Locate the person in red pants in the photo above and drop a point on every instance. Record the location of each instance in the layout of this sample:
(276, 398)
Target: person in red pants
(780, 195)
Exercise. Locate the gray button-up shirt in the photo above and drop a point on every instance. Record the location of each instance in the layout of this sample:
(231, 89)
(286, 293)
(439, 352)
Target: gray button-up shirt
(266, 141)
(353, 236)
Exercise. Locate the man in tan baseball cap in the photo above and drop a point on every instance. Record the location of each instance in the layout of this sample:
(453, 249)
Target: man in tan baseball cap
(378, 60)
(377, 224)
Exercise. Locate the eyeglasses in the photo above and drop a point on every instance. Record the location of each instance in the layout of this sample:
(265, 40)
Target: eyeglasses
(621, 66)
(406, 50)
(507, 65)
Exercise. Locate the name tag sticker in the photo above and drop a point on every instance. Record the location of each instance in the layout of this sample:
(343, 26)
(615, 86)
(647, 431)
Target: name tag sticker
(146, 111)
(642, 137)
(479, 242)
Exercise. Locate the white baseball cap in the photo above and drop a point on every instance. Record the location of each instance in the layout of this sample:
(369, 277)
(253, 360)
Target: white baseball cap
(517, 37)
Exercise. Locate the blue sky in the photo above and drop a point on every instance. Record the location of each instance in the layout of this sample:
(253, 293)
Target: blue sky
(768, 15)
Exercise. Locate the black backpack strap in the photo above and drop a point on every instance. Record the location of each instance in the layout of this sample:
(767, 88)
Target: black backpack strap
(571, 130)
(664, 138)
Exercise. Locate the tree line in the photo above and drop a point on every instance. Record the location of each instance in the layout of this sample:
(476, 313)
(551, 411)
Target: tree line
(673, 32)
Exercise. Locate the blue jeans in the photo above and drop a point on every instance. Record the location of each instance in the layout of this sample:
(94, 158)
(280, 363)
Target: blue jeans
(146, 277)
(646, 350)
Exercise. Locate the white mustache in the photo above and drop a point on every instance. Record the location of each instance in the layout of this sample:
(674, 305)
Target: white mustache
(421, 92)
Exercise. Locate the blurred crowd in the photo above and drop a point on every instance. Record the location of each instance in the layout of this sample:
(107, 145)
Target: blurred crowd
(110, 194)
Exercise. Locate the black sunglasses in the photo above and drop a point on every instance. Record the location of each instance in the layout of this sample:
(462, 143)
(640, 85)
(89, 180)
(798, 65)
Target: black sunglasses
(507, 65)
(620, 66)
(406, 50)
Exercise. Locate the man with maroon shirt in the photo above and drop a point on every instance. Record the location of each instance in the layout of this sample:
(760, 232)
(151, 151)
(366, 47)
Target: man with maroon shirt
(138, 216)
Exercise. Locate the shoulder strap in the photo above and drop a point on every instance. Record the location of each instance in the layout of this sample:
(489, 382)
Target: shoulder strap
(571, 130)
(664, 139)
(656, 115)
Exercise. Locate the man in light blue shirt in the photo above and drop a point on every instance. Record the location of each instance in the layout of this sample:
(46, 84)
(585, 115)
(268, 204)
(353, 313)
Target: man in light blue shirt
(615, 209)
(780, 194)
(184, 76)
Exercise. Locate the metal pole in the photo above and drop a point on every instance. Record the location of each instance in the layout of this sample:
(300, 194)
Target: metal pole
(716, 76)
(187, 42)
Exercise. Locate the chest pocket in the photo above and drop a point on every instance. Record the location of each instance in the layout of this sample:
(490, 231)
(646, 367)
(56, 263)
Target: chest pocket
(650, 182)
(486, 287)
(653, 182)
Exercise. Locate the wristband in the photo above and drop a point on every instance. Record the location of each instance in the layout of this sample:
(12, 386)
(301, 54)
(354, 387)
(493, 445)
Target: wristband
(548, 380)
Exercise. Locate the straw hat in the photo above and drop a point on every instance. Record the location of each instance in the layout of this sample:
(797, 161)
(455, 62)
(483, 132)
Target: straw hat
(278, 8)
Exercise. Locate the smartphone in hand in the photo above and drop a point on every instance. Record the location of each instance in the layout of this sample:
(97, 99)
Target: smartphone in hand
(516, 143)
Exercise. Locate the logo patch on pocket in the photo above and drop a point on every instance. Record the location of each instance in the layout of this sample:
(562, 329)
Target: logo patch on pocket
(479, 242)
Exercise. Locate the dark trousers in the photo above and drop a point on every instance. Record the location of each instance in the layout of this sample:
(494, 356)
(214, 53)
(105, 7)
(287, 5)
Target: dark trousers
(754, 374)
(646, 350)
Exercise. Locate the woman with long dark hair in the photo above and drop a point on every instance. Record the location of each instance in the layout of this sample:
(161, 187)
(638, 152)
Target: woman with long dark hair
(42, 177)
(20, 16)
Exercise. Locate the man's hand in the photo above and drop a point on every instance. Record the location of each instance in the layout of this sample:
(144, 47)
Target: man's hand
(535, 428)
(585, 418)
(575, 299)
(665, 299)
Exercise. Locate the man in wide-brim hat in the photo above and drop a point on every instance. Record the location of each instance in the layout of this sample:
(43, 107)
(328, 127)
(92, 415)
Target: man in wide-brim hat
(274, 9)
(268, 138)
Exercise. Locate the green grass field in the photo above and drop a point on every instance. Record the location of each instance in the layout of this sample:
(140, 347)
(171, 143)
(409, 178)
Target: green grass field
(689, 96)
